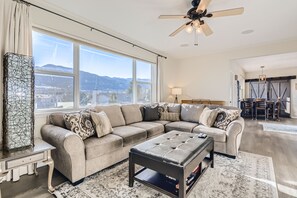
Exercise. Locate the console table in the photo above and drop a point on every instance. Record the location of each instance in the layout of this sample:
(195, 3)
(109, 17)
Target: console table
(41, 152)
(204, 101)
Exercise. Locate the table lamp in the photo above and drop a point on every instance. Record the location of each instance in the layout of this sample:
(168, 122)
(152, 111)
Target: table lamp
(176, 91)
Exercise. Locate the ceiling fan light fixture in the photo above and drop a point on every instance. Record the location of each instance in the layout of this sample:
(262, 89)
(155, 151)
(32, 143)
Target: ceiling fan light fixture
(196, 24)
(189, 29)
(198, 30)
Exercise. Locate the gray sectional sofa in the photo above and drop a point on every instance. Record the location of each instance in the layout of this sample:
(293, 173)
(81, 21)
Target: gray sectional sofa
(76, 158)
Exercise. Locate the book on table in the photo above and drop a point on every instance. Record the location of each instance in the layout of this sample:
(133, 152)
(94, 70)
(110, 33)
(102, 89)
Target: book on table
(191, 178)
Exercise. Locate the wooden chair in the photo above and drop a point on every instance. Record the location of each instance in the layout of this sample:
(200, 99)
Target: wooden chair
(270, 109)
(277, 110)
(260, 108)
(247, 108)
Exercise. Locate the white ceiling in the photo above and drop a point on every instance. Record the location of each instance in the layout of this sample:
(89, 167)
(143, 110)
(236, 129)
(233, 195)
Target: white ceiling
(137, 20)
(279, 61)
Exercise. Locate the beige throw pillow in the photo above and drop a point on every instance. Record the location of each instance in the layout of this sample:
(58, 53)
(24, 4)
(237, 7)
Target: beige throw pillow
(101, 123)
(208, 116)
(169, 116)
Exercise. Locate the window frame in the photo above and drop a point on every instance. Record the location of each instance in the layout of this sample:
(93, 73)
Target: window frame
(76, 70)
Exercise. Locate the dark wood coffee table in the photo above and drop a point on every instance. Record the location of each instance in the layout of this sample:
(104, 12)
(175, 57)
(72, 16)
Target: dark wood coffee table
(169, 159)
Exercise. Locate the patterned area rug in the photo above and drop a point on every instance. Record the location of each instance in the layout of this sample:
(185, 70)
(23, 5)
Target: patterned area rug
(249, 176)
(279, 128)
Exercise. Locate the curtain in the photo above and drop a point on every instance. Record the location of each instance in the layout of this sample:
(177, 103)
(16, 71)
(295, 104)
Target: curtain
(19, 30)
(159, 79)
(16, 30)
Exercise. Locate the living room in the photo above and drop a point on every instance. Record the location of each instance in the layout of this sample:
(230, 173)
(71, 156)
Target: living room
(68, 38)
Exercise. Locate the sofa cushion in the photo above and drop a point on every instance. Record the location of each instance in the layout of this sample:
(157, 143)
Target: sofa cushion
(174, 108)
(132, 113)
(101, 123)
(169, 116)
(218, 135)
(130, 134)
(208, 116)
(225, 117)
(180, 126)
(152, 128)
(79, 123)
(114, 113)
(151, 113)
(191, 113)
(164, 122)
(96, 147)
(57, 119)
(163, 107)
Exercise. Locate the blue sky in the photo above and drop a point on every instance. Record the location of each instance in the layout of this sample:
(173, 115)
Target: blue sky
(51, 50)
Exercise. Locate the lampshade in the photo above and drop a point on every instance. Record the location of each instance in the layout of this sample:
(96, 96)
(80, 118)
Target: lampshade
(176, 91)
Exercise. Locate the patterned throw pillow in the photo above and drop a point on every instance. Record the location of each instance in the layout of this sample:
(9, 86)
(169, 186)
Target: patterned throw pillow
(79, 123)
(101, 123)
(169, 116)
(225, 117)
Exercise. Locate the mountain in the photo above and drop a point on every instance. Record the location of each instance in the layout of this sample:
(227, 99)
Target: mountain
(88, 81)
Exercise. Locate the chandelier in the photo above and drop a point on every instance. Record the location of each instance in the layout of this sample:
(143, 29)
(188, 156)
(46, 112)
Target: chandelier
(262, 77)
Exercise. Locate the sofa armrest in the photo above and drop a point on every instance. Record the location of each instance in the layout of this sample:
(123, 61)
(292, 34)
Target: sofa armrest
(69, 155)
(234, 134)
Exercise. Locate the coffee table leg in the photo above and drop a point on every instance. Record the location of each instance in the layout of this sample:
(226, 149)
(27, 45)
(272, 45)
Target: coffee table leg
(182, 186)
(212, 159)
(131, 170)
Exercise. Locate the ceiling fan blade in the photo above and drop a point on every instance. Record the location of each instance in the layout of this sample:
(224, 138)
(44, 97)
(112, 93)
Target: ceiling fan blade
(203, 5)
(172, 17)
(206, 29)
(230, 12)
(180, 29)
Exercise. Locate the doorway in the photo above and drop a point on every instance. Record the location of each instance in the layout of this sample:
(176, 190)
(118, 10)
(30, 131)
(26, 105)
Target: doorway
(273, 90)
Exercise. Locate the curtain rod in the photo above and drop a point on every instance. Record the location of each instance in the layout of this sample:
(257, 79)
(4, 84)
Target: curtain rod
(92, 28)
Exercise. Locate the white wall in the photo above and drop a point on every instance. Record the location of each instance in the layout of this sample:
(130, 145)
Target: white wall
(168, 78)
(208, 76)
(273, 73)
(279, 73)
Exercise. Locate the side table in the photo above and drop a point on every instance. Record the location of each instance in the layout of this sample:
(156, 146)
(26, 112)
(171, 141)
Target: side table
(41, 152)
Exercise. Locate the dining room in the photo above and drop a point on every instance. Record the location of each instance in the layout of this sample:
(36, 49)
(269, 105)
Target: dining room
(267, 87)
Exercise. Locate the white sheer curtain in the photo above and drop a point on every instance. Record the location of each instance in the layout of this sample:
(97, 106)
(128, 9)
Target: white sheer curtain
(16, 30)
(159, 78)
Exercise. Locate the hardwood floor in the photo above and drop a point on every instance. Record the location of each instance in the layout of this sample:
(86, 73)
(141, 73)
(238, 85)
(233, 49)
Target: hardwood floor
(281, 147)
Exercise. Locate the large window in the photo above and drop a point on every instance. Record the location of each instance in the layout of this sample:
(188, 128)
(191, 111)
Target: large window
(104, 77)
(54, 77)
(143, 81)
(69, 74)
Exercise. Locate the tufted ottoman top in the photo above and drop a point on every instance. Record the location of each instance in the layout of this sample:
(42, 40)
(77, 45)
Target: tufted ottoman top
(173, 147)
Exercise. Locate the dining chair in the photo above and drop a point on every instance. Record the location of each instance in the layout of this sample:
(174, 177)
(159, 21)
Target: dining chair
(247, 108)
(260, 108)
(277, 110)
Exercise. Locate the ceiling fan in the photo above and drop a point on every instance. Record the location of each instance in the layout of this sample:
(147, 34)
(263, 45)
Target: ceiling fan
(196, 15)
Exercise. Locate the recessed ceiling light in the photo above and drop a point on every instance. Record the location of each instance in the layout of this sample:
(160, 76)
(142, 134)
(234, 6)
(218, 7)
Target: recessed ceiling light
(184, 45)
(247, 31)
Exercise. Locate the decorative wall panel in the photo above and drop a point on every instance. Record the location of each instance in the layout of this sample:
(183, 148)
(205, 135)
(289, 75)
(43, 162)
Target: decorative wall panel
(18, 101)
